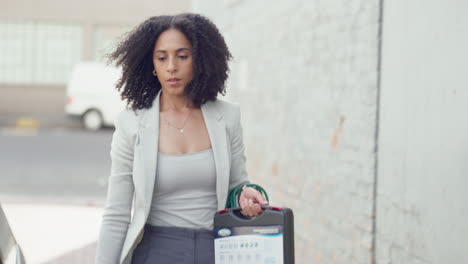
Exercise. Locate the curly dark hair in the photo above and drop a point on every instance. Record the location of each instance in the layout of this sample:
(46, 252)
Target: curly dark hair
(135, 55)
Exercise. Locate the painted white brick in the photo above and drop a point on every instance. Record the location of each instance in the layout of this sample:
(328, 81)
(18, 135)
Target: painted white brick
(305, 74)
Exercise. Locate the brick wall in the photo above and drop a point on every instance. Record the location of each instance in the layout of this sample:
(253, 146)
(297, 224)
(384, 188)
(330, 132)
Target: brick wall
(305, 74)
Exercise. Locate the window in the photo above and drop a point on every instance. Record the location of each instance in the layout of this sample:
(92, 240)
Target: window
(38, 53)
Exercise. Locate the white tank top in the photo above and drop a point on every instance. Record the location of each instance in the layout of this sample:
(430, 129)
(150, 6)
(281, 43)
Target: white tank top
(185, 191)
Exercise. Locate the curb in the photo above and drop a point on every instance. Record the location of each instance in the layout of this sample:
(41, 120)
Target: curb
(44, 121)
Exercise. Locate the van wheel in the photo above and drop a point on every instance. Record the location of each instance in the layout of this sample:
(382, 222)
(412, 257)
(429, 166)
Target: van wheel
(92, 120)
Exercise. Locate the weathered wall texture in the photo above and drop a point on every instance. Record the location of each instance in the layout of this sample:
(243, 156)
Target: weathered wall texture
(422, 214)
(305, 74)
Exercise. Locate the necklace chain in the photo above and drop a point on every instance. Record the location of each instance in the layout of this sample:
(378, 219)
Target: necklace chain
(181, 129)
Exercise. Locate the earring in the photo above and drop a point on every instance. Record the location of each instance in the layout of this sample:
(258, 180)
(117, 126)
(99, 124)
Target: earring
(154, 72)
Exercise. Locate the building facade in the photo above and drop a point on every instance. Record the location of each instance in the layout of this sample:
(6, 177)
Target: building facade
(42, 40)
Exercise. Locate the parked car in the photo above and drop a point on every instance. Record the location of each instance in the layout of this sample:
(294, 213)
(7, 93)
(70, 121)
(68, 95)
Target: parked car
(10, 251)
(92, 96)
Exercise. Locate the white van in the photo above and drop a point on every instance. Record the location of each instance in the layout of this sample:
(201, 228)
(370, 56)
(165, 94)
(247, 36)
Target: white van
(91, 94)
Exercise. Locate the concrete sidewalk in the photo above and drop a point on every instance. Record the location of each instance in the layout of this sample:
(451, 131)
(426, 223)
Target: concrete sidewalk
(55, 233)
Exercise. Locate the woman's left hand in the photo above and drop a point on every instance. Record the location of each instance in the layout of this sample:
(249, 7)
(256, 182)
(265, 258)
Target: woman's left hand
(250, 201)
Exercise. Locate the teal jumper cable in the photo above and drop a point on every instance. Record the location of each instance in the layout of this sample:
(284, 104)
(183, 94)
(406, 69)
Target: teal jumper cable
(233, 196)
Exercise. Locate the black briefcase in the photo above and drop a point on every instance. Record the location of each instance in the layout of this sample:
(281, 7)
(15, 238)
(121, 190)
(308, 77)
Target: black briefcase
(265, 239)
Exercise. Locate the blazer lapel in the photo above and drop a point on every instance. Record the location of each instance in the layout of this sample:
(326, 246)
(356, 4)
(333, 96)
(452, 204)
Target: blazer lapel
(217, 133)
(149, 138)
(149, 135)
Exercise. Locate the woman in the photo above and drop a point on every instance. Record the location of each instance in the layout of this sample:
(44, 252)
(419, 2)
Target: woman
(177, 151)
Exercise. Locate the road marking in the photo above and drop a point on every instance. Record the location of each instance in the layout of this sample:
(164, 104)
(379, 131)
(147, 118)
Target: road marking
(27, 123)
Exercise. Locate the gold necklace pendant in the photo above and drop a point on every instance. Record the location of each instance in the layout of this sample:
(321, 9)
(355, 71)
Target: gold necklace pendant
(180, 129)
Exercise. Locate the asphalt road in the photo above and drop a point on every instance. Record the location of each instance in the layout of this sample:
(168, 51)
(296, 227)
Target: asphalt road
(54, 165)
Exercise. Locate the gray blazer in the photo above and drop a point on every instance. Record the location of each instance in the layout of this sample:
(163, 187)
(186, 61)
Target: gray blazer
(134, 151)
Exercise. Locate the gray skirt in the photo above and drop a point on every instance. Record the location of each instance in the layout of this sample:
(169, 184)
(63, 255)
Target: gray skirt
(163, 245)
